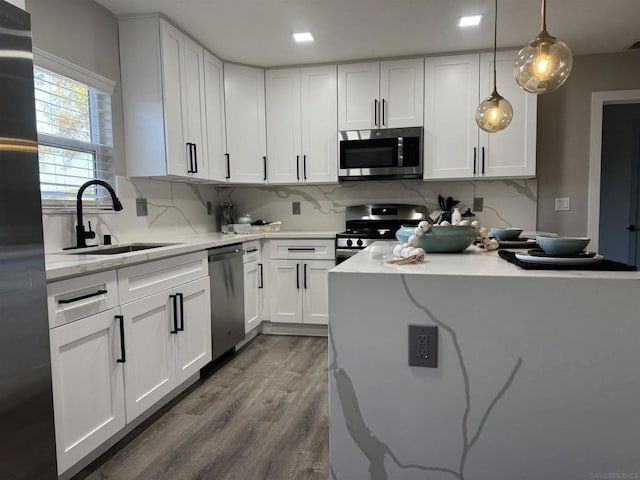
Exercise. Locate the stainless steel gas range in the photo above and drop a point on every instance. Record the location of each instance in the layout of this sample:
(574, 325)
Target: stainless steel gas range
(366, 224)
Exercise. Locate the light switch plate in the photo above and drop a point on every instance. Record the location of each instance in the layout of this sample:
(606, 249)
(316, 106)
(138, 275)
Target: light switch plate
(209, 208)
(563, 204)
(141, 207)
(295, 207)
(478, 204)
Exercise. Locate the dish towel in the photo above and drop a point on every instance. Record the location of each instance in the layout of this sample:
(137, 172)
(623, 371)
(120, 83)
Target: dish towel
(604, 265)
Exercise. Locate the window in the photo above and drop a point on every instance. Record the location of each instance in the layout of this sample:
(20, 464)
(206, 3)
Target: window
(75, 135)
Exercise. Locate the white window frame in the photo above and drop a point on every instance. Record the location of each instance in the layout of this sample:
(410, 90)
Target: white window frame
(60, 66)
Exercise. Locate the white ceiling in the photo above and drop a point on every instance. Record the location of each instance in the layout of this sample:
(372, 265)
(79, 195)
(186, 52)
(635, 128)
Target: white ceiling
(258, 32)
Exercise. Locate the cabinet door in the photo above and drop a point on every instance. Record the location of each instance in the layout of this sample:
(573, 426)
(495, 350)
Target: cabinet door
(194, 102)
(175, 110)
(450, 130)
(358, 92)
(245, 115)
(193, 340)
(319, 124)
(284, 132)
(402, 93)
(315, 284)
(285, 291)
(88, 385)
(215, 124)
(252, 295)
(511, 152)
(150, 369)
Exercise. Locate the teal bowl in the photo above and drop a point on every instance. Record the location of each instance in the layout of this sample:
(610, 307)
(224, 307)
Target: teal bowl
(450, 239)
(506, 234)
(562, 245)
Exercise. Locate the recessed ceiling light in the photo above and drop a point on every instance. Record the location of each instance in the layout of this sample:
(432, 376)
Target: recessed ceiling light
(303, 37)
(471, 21)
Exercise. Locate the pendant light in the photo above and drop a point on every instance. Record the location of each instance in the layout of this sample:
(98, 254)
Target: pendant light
(495, 112)
(545, 63)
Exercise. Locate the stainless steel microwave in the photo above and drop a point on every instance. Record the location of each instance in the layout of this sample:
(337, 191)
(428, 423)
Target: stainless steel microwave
(384, 153)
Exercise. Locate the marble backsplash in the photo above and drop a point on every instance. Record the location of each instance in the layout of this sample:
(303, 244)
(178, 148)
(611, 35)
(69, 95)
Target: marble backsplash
(174, 208)
(506, 202)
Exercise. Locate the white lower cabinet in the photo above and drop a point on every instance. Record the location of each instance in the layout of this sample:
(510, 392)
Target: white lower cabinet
(253, 284)
(88, 385)
(111, 367)
(299, 290)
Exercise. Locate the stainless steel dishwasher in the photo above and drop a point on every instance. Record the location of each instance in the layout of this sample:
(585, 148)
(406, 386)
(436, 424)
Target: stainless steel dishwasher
(226, 274)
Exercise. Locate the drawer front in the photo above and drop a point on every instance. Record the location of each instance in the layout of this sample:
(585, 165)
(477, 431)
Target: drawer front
(145, 279)
(321, 249)
(80, 297)
(252, 251)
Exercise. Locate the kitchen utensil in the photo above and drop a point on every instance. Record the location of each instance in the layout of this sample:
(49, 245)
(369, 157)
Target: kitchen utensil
(508, 233)
(439, 239)
(562, 245)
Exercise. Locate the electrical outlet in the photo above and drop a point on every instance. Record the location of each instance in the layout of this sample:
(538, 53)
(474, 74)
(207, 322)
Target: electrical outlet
(563, 204)
(478, 204)
(141, 207)
(209, 208)
(423, 346)
(295, 206)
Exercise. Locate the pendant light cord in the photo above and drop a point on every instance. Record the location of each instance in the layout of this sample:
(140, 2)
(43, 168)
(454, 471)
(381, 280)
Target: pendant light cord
(495, 43)
(543, 15)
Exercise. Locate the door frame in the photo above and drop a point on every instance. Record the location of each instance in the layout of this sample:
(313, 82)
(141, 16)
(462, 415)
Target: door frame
(598, 101)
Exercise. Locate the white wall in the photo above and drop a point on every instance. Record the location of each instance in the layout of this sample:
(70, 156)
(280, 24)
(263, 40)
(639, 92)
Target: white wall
(17, 3)
(506, 202)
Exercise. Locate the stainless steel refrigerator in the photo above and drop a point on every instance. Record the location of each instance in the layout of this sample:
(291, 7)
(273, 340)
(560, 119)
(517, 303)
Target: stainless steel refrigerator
(27, 444)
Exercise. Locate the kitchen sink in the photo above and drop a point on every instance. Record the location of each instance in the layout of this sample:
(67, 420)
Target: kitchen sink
(127, 248)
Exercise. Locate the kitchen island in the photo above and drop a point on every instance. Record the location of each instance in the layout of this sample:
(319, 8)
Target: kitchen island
(538, 371)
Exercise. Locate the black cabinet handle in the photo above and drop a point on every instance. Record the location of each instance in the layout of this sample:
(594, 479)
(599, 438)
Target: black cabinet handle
(252, 250)
(375, 112)
(482, 160)
(174, 298)
(298, 167)
(228, 166)
(123, 353)
(181, 299)
(298, 276)
(82, 297)
(190, 148)
(475, 154)
(631, 228)
(264, 159)
(195, 158)
(301, 249)
(305, 276)
(304, 166)
(383, 119)
(261, 267)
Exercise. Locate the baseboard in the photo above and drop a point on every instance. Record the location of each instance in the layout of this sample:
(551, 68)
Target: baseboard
(304, 329)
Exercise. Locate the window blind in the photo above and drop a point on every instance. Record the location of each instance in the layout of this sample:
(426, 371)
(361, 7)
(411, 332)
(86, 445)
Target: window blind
(75, 137)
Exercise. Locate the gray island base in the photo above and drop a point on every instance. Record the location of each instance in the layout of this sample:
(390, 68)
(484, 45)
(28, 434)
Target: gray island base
(538, 372)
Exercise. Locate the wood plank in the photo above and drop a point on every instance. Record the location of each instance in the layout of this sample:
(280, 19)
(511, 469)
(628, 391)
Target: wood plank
(262, 415)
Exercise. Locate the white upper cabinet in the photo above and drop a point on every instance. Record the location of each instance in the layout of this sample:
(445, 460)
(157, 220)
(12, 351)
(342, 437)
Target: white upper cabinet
(245, 118)
(511, 152)
(380, 94)
(302, 132)
(215, 125)
(454, 146)
(284, 127)
(450, 130)
(163, 100)
(401, 93)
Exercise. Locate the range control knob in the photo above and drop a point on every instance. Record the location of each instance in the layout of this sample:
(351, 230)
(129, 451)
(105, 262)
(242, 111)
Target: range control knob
(349, 242)
(359, 242)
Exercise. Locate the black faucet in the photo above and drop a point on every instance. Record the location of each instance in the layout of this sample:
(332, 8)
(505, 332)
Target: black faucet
(81, 234)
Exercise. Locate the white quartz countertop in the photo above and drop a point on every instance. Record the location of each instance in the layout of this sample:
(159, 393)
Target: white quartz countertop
(61, 265)
(472, 262)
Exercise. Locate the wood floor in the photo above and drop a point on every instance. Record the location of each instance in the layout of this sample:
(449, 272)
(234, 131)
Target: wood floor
(263, 415)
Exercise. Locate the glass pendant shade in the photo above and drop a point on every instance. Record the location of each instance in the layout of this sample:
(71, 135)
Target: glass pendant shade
(544, 64)
(494, 113)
